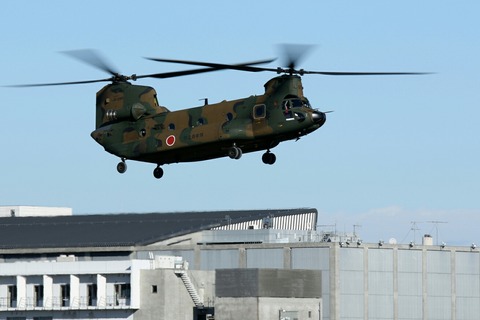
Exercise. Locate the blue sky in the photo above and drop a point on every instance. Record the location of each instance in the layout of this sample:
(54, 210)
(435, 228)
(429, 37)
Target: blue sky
(396, 150)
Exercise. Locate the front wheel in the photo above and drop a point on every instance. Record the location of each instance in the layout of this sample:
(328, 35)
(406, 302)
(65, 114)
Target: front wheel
(158, 172)
(269, 158)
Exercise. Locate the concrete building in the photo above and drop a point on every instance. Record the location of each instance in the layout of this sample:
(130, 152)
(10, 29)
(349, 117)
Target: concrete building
(258, 264)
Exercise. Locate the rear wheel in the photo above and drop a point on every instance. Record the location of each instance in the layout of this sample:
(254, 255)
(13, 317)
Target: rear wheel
(122, 167)
(235, 152)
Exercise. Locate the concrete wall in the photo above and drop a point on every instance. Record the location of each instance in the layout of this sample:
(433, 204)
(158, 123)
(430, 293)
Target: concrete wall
(267, 308)
(267, 294)
(171, 299)
(365, 281)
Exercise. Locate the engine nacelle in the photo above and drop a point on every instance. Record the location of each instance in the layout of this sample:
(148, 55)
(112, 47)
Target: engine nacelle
(125, 102)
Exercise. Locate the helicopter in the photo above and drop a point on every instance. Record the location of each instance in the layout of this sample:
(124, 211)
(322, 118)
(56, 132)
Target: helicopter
(132, 125)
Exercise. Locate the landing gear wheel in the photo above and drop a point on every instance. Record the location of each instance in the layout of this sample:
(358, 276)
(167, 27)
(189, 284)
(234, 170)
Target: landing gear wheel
(122, 167)
(158, 172)
(269, 158)
(235, 152)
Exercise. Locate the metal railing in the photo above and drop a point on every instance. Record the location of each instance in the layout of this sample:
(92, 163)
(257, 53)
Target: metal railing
(59, 303)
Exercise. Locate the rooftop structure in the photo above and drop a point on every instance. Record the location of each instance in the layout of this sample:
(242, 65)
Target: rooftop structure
(32, 211)
(133, 229)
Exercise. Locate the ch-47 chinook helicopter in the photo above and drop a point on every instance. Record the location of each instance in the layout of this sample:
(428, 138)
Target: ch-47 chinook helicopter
(131, 124)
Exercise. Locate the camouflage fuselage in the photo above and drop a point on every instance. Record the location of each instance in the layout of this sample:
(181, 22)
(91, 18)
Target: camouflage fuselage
(132, 125)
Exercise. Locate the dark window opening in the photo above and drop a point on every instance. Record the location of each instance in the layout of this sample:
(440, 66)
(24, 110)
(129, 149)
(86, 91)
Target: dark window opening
(122, 294)
(38, 295)
(65, 295)
(12, 296)
(259, 111)
(171, 126)
(92, 295)
(154, 289)
(229, 116)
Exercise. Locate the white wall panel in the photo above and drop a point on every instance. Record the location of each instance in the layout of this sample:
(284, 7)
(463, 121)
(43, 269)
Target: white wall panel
(311, 258)
(265, 258)
(410, 284)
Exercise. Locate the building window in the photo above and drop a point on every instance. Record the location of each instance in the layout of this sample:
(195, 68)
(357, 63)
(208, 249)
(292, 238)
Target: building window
(65, 295)
(122, 294)
(12, 297)
(154, 289)
(38, 295)
(92, 295)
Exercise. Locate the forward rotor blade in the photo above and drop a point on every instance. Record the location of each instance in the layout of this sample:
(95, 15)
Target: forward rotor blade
(246, 66)
(294, 53)
(249, 67)
(334, 73)
(213, 67)
(173, 74)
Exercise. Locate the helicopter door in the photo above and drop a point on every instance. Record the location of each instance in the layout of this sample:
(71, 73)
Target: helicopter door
(259, 119)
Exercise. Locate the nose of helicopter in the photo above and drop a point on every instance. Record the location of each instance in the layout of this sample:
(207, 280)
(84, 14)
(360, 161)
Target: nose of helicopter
(319, 117)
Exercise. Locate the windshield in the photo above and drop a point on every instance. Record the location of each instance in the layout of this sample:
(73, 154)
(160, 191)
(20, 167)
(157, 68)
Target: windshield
(295, 103)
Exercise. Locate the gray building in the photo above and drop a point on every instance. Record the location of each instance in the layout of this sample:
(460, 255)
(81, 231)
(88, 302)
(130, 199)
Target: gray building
(257, 264)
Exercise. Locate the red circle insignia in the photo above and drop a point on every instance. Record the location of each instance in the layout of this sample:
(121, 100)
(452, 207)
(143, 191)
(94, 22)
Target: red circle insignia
(170, 140)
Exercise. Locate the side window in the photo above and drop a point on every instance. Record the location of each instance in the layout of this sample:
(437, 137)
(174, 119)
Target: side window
(259, 111)
(171, 126)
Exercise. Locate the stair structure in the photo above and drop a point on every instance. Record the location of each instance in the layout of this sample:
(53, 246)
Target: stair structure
(192, 291)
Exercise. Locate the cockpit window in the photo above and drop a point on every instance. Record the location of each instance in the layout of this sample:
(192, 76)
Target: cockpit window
(295, 102)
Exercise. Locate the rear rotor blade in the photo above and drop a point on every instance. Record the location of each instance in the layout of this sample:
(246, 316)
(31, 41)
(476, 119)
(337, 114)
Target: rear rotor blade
(93, 58)
(57, 83)
(164, 75)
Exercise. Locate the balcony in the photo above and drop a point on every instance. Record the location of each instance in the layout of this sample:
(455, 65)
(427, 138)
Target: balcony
(58, 303)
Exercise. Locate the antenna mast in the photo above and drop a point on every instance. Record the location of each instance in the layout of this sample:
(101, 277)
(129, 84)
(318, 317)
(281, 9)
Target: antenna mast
(436, 222)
